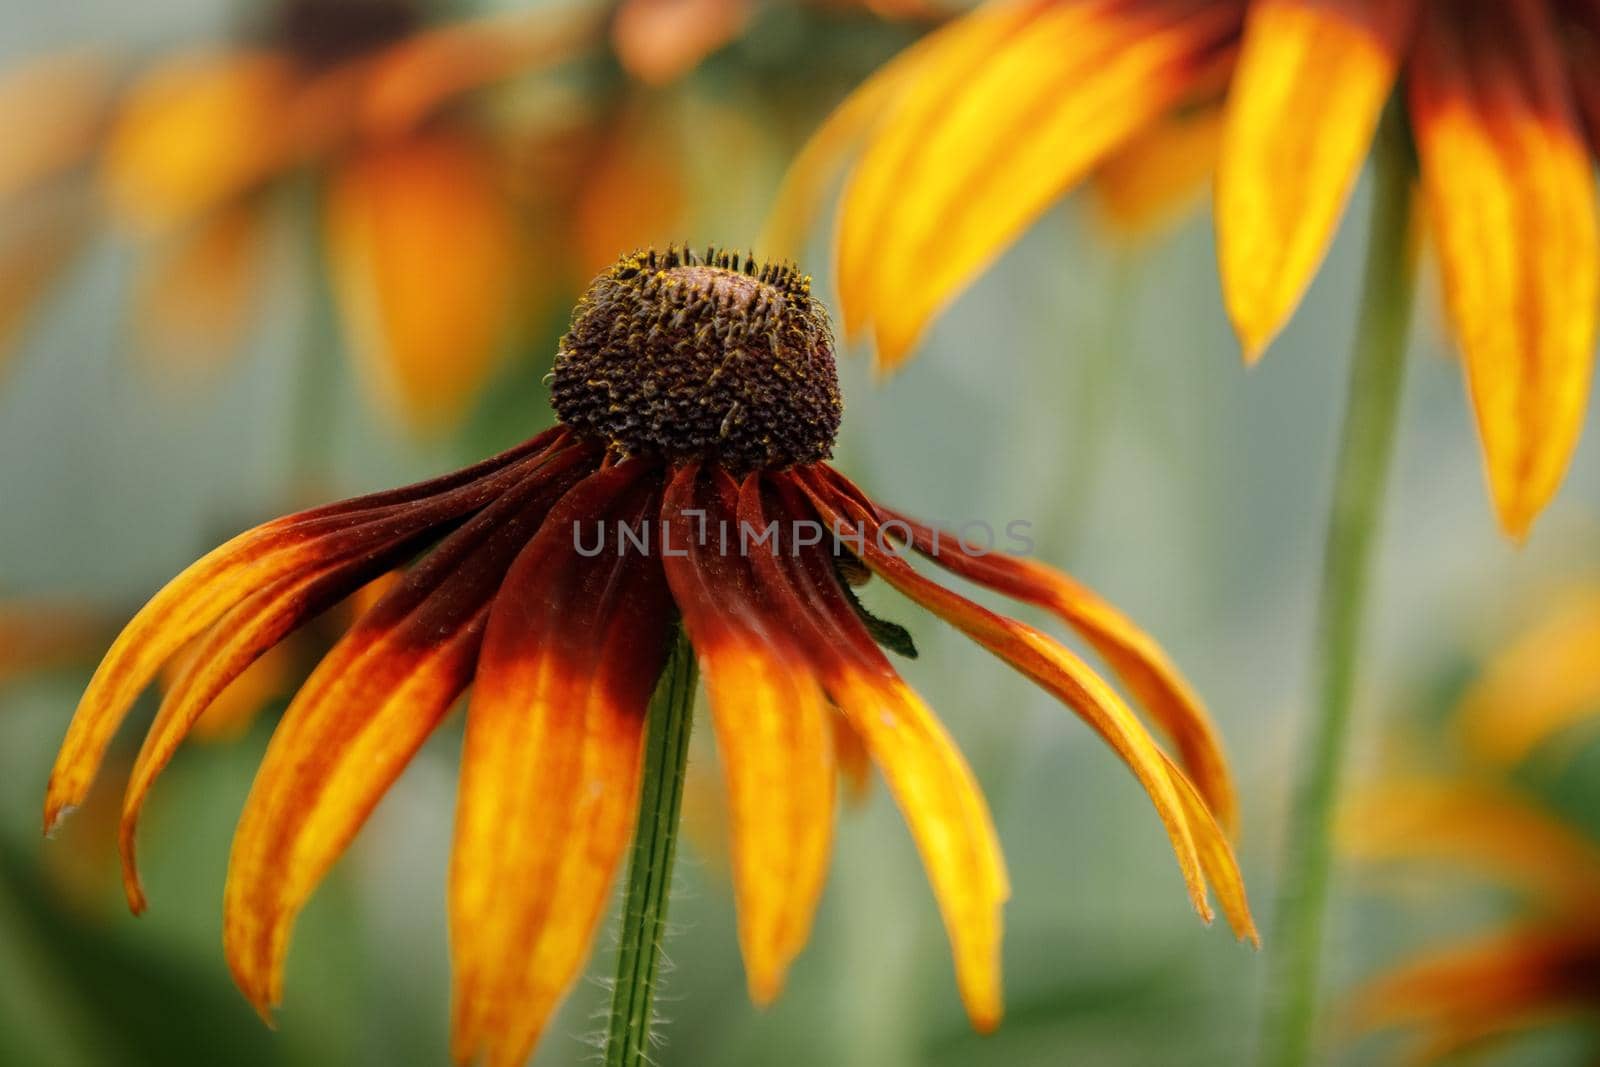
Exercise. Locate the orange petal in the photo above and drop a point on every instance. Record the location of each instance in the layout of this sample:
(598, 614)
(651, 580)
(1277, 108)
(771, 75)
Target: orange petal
(1510, 190)
(852, 758)
(773, 736)
(1489, 987)
(550, 774)
(1312, 79)
(233, 669)
(195, 132)
(931, 783)
(993, 132)
(1488, 830)
(1061, 673)
(1159, 174)
(51, 108)
(254, 560)
(1545, 682)
(659, 41)
(1135, 657)
(423, 255)
(193, 301)
(357, 722)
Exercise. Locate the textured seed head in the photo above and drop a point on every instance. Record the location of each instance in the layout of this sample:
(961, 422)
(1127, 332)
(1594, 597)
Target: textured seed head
(677, 355)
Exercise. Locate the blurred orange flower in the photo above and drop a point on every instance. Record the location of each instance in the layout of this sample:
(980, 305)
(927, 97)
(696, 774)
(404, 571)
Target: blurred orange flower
(422, 239)
(1542, 968)
(974, 131)
(563, 646)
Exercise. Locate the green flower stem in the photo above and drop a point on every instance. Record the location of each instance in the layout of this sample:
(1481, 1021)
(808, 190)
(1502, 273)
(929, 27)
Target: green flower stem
(1360, 480)
(655, 838)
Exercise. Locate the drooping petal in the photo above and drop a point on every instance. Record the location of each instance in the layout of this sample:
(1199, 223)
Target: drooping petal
(1312, 79)
(1482, 828)
(357, 722)
(192, 303)
(1055, 669)
(234, 646)
(428, 338)
(550, 768)
(773, 735)
(1135, 657)
(931, 783)
(1511, 198)
(983, 141)
(195, 132)
(195, 599)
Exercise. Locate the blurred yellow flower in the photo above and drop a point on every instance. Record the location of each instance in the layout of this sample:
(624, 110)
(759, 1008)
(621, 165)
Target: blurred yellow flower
(974, 131)
(422, 238)
(1542, 968)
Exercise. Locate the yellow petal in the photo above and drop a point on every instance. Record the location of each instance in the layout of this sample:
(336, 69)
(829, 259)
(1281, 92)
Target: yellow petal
(1134, 655)
(777, 755)
(1510, 191)
(1195, 843)
(549, 774)
(989, 135)
(195, 132)
(1486, 829)
(774, 740)
(1312, 79)
(940, 800)
(424, 262)
(1545, 682)
(358, 720)
(825, 153)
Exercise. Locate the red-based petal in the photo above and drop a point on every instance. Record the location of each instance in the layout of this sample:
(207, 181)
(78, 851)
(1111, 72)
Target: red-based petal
(550, 768)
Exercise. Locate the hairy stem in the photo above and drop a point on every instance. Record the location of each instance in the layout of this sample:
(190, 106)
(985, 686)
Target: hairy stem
(644, 907)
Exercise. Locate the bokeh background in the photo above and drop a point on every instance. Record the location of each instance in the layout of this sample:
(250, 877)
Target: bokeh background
(1089, 384)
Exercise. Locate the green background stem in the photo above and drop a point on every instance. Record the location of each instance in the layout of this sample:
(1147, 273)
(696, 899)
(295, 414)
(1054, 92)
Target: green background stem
(655, 838)
(1360, 480)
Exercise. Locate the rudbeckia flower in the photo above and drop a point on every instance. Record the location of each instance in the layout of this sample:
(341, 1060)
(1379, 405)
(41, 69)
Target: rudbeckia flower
(974, 131)
(687, 481)
(372, 102)
(1544, 968)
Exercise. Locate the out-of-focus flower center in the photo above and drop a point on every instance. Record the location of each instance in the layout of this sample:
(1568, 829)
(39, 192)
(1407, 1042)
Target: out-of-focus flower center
(680, 356)
(325, 33)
